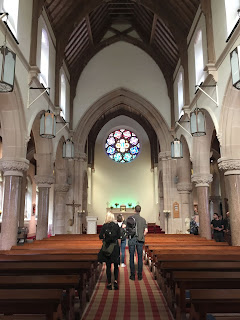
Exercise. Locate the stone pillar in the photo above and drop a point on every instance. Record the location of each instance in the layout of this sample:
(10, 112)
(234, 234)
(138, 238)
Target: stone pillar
(167, 179)
(202, 184)
(216, 203)
(80, 167)
(231, 169)
(60, 208)
(22, 200)
(13, 171)
(184, 190)
(44, 184)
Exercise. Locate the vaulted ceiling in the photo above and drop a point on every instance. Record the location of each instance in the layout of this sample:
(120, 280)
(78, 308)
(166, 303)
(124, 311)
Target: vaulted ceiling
(84, 27)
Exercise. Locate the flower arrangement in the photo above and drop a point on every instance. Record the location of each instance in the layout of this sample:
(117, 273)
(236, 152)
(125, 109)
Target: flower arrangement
(129, 204)
(116, 204)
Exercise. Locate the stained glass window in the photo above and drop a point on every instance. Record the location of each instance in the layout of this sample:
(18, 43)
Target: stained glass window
(122, 145)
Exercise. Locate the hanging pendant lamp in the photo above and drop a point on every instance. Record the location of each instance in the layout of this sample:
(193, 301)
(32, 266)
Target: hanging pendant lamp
(48, 125)
(68, 149)
(176, 149)
(197, 123)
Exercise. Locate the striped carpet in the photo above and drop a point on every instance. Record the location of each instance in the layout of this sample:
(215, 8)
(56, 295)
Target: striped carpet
(134, 299)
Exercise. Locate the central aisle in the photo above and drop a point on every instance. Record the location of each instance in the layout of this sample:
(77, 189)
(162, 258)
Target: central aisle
(134, 299)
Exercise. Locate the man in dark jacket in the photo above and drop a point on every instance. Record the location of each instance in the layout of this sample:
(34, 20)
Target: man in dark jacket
(136, 243)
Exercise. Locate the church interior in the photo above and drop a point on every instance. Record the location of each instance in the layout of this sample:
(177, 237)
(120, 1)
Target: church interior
(110, 104)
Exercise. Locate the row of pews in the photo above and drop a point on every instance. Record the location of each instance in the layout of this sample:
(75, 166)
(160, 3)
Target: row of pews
(49, 279)
(197, 276)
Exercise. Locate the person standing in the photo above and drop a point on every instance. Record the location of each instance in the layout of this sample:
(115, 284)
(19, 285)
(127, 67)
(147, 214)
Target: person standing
(217, 227)
(122, 225)
(136, 241)
(110, 252)
(193, 226)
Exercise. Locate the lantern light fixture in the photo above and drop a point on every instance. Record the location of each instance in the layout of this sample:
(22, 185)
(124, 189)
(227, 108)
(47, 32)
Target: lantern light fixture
(176, 149)
(235, 67)
(7, 65)
(48, 123)
(68, 149)
(197, 123)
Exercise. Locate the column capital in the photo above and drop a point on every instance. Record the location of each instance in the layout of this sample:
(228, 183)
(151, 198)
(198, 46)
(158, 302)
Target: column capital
(44, 181)
(229, 166)
(184, 187)
(81, 156)
(202, 179)
(62, 187)
(164, 155)
(13, 166)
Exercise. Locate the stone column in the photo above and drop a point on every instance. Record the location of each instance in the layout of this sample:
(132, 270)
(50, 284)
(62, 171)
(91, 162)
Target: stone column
(60, 208)
(202, 184)
(22, 200)
(44, 184)
(167, 178)
(216, 203)
(184, 190)
(80, 166)
(13, 171)
(231, 169)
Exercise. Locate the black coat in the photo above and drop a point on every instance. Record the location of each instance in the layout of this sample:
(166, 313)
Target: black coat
(115, 256)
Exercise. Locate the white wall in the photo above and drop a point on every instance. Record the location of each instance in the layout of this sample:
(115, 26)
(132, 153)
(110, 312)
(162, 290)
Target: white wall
(123, 182)
(24, 27)
(121, 65)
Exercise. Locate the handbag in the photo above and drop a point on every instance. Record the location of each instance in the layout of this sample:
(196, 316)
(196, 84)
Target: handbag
(107, 248)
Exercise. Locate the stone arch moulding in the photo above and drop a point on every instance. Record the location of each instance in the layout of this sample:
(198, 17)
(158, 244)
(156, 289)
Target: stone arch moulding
(229, 127)
(113, 99)
(13, 124)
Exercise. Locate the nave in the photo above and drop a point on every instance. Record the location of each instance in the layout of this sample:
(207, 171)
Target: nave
(59, 278)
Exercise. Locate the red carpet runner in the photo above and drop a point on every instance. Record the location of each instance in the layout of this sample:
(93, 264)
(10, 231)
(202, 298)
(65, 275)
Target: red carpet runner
(134, 299)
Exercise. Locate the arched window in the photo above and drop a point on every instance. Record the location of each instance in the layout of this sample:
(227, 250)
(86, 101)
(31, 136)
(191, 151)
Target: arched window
(63, 96)
(180, 95)
(122, 145)
(232, 16)
(44, 64)
(28, 200)
(198, 52)
(11, 7)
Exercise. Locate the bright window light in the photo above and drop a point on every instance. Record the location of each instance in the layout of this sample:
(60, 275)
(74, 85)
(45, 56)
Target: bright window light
(198, 52)
(180, 95)
(63, 96)
(231, 9)
(44, 64)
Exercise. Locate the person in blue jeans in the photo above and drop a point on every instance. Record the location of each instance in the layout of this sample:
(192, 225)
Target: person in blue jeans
(136, 243)
(122, 225)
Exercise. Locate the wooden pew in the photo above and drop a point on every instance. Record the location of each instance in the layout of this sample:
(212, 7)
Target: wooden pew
(70, 283)
(205, 301)
(185, 280)
(31, 301)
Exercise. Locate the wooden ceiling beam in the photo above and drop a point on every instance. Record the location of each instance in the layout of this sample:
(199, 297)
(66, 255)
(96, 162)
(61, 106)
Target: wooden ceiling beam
(89, 30)
(159, 59)
(153, 28)
(79, 30)
(176, 7)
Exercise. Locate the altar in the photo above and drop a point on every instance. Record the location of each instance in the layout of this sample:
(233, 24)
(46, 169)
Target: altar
(126, 213)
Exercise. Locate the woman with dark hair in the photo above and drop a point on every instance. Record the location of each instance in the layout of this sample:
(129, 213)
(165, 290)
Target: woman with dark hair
(123, 237)
(110, 252)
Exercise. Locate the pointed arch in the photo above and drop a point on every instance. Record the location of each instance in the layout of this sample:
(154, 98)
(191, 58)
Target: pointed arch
(133, 101)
